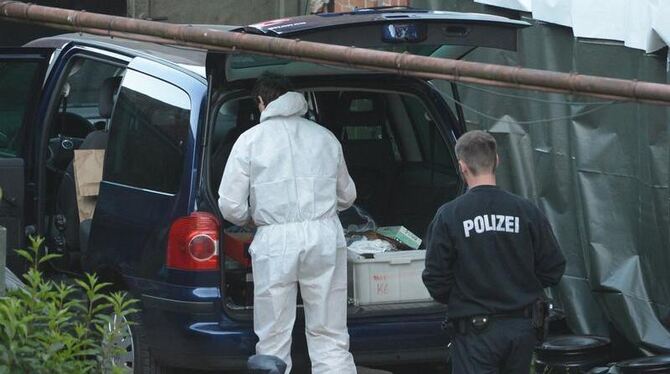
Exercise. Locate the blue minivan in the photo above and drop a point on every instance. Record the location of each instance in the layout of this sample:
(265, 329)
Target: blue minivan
(166, 118)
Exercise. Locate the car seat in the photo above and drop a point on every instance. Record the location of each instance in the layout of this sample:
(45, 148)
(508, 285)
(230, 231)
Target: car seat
(247, 117)
(370, 157)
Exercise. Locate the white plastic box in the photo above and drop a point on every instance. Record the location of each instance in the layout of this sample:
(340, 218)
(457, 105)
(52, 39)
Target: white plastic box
(389, 277)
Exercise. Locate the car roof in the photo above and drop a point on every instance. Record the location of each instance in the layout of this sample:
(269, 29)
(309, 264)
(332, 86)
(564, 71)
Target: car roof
(192, 59)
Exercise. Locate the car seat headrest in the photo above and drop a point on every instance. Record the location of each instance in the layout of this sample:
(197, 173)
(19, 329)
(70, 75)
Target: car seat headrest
(361, 109)
(247, 115)
(363, 114)
(108, 91)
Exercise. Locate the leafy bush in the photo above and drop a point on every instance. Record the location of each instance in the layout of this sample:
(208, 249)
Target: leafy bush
(50, 327)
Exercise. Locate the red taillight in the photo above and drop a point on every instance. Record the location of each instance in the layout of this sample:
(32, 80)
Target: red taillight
(193, 243)
(202, 247)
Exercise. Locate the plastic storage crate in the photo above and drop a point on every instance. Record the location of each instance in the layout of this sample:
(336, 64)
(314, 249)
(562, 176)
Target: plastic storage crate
(387, 278)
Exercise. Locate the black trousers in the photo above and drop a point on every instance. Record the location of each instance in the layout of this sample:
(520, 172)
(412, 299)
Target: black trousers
(505, 346)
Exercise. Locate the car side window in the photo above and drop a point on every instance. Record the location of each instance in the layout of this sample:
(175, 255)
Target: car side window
(78, 108)
(431, 144)
(15, 92)
(149, 129)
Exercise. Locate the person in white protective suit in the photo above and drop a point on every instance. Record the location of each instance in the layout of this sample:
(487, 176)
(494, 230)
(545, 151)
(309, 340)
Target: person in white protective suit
(288, 177)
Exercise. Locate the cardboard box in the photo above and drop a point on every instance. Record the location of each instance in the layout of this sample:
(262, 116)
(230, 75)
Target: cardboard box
(400, 234)
(236, 246)
(387, 278)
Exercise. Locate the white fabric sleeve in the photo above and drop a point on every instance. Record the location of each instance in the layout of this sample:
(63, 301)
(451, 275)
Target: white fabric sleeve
(234, 187)
(346, 189)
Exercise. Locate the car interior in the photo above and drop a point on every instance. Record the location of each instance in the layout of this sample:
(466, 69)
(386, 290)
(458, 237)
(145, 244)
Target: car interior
(403, 168)
(80, 120)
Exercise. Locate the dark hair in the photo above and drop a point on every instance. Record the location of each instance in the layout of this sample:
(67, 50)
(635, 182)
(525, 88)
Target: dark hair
(269, 87)
(478, 150)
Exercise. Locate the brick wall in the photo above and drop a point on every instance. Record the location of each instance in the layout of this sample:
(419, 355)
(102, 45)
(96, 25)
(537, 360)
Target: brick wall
(349, 5)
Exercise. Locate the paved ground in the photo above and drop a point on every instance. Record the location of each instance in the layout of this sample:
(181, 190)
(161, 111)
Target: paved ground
(405, 369)
(361, 370)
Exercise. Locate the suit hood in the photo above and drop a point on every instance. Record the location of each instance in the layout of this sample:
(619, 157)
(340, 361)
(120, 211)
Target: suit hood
(289, 104)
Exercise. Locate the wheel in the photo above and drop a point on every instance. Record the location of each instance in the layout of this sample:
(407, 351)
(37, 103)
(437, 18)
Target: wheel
(137, 358)
(125, 360)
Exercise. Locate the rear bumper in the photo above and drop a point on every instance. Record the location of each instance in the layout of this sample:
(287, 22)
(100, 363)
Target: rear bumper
(187, 328)
(191, 334)
(403, 357)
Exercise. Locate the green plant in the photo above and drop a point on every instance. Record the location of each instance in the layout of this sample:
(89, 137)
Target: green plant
(50, 327)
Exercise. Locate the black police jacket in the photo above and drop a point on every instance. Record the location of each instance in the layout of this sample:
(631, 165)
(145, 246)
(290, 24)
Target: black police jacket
(490, 251)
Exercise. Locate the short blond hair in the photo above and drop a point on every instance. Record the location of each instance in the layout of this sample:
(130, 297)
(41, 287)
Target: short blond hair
(478, 150)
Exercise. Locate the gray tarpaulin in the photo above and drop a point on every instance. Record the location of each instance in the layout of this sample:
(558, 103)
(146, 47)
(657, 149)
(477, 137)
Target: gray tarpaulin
(600, 171)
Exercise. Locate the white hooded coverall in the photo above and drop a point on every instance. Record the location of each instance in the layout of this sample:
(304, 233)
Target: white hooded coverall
(288, 175)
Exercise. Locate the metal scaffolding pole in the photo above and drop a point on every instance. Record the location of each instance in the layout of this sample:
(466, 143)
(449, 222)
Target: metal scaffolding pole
(294, 49)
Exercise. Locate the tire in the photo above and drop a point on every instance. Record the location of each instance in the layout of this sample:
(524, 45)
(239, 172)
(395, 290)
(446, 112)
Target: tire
(144, 362)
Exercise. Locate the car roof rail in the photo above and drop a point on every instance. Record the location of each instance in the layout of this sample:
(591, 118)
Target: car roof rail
(389, 8)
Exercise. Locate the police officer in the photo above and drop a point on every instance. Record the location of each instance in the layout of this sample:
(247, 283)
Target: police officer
(490, 254)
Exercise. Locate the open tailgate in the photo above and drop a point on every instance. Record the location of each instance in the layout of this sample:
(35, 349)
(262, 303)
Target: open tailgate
(420, 32)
